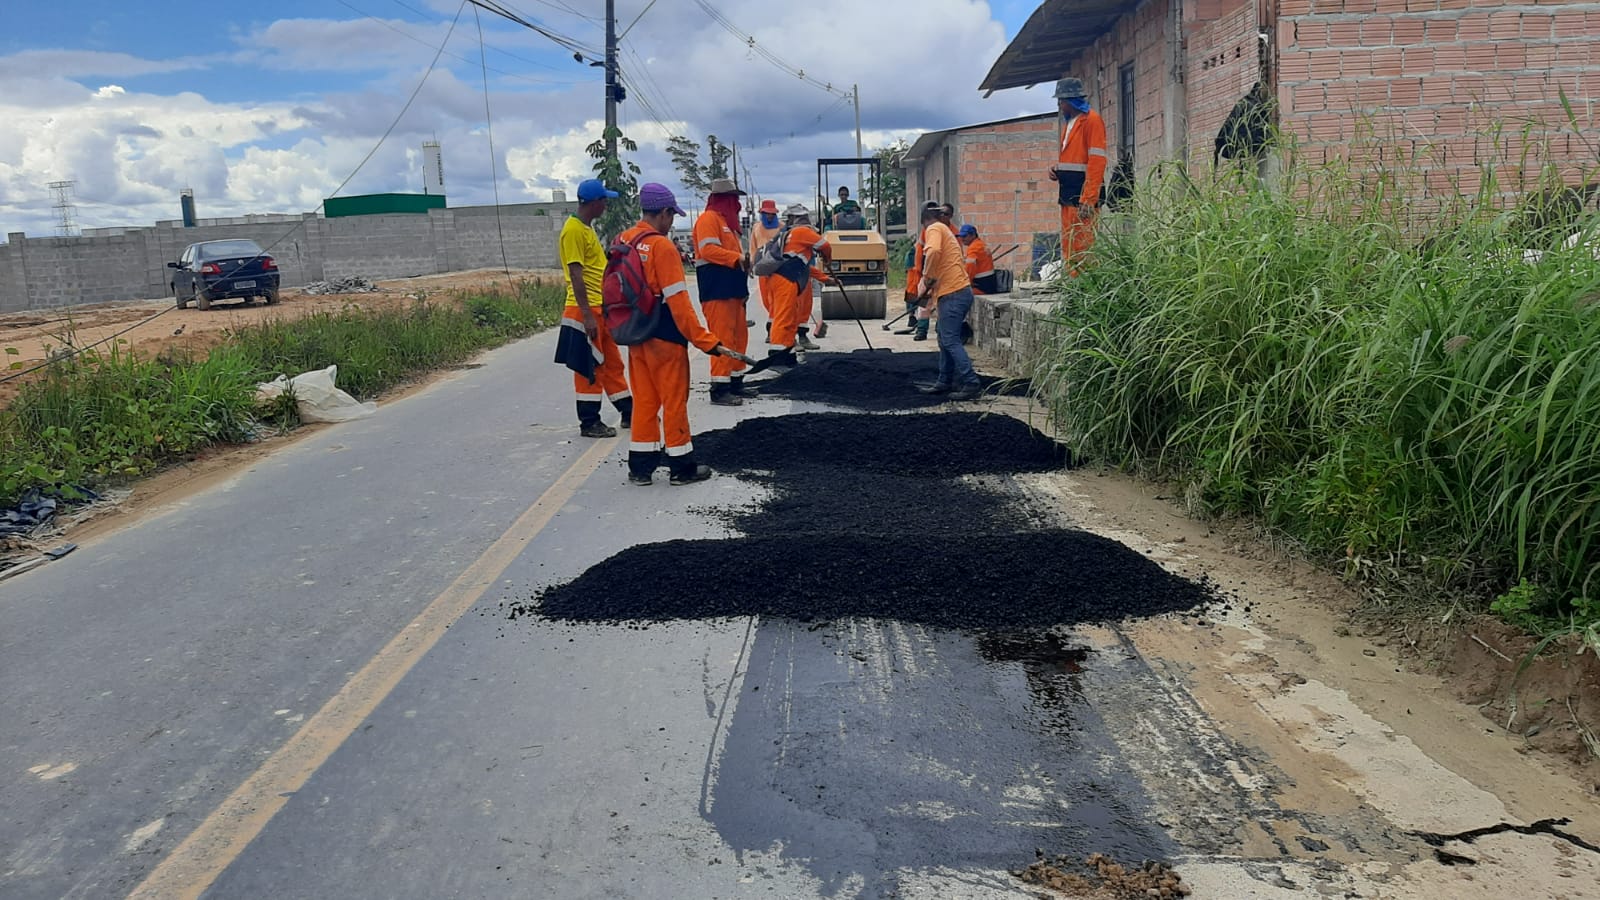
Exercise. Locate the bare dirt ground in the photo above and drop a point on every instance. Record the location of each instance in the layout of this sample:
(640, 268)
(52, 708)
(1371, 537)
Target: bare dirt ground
(36, 334)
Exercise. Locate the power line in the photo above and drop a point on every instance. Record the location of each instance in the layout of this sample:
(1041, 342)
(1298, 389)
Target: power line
(636, 20)
(761, 50)
(488, 125)
(495, 47)
(578, 48)
(77, 351)
(408, 35)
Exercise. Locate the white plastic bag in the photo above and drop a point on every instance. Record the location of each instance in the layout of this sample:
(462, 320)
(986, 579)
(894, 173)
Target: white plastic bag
(317, 397)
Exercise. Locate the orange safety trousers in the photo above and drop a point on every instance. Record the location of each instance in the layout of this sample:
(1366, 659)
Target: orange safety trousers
(726, 319)
(786, 308)
(659, 371)
(609, 377)
(1077, 237)
(765, 283)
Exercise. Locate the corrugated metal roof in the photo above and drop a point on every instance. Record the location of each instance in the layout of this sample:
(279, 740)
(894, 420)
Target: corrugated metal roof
(1057, 33)
(925, 144)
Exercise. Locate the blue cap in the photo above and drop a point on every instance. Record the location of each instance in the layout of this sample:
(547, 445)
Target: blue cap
(967, 231)
(593, 189)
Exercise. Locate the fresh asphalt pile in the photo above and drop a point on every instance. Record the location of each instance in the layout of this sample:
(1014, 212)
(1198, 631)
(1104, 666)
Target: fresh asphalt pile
(876, 380)
(905, 517)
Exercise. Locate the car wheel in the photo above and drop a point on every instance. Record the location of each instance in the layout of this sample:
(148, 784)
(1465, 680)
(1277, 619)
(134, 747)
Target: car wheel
(271, 296)
(201, 300)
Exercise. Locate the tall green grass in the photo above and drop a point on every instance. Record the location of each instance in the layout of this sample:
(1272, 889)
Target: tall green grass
(100, 417)
(1426, 404)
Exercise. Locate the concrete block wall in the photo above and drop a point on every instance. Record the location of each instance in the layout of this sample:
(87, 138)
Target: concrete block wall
(131, 263)
(1431, 78)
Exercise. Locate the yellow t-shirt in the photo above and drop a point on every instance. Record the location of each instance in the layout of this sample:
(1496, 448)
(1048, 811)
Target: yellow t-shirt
(579, 244)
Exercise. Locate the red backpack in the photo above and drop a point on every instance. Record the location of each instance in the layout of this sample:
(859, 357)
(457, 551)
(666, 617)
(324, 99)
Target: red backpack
(631, 309)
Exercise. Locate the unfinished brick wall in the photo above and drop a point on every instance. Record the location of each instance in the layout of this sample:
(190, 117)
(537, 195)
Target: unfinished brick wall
(1222, 61)
(1431, 79)
(1004, 188)
(1140, 39)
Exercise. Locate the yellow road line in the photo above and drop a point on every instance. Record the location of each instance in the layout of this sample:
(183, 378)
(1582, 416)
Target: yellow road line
(194, 864)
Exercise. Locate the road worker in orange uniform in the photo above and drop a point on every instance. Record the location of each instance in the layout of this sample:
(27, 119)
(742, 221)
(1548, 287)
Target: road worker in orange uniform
(723, 274)
(791, 284)
(764, 229)
(979, 261)
(1080, 171)
(659, 367)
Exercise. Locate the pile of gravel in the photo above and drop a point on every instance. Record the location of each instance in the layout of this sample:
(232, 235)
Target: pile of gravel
(875, 380)
(353, 284)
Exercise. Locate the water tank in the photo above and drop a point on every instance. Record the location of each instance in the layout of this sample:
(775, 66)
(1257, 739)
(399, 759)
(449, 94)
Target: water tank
(432, 169)
(186, 200)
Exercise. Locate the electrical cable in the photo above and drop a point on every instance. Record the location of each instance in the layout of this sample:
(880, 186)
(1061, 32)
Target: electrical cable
(408, 35)
(494, 164)
(578, 49)
(760, 49)
(635, 20)
(78, 351)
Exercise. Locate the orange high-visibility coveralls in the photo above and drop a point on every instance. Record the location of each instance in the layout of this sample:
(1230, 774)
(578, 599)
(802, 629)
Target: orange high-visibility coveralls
(791, 290)
(759, 236)
(724, 288)
(659, 367)
(1080, 171)
(979, 262)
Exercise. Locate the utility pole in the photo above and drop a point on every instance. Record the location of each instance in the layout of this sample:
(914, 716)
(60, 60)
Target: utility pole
(611, 82)
(855, 94)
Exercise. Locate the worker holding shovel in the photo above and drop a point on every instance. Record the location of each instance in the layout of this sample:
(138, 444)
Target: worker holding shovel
(945, 286)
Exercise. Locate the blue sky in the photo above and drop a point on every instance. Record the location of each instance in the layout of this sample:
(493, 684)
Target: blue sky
(267, 107)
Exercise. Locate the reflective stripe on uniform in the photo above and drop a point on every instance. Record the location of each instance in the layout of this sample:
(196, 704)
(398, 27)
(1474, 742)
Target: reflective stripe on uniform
(672, 289)
(1097, 151)
(1073, 167)
(721, 379)
(685, 450)
(644, 446)
(709, 240)
(620, 395)
(984, 274)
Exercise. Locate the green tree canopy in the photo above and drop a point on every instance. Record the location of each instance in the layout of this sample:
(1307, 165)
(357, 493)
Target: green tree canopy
(619, 175)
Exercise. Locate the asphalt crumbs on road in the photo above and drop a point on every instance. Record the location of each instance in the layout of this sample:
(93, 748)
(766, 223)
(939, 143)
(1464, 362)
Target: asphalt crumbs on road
(875, 380)
(899, 517)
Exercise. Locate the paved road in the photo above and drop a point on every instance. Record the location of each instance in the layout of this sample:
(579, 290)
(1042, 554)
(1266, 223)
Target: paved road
(255, 693)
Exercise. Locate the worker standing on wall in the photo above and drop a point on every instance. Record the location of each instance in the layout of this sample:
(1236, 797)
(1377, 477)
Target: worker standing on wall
(1080, 171)
(585, 345)
(659, 367)
(722, 273)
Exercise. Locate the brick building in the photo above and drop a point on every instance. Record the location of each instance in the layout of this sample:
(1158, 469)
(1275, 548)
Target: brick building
(996, 174)
(1431, 76)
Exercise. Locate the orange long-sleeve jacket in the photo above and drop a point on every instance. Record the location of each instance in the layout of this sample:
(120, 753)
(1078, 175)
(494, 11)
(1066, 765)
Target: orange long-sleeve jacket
(718, 260)
(663, 269)
(1081, 169)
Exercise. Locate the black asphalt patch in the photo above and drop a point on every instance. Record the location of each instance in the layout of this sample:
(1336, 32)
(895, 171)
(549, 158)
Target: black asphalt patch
(873, 380)
(1030, 579)
(905, 517)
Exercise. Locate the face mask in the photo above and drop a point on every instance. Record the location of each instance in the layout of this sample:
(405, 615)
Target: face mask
(770, 220)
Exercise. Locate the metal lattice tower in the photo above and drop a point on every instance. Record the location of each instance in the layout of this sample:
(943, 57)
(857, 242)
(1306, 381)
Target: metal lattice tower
(66, 208)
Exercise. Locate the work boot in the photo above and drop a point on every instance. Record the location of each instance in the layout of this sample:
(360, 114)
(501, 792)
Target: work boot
(805, 342)
(625, 406)
(597, 429)
(740, 389)
(685, 470)
(722, 395)
(967, 392)
(935, 389)
(921, 335)
(641, 463)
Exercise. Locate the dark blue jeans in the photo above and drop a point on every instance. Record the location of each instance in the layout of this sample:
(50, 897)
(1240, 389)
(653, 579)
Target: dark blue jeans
(955, 366)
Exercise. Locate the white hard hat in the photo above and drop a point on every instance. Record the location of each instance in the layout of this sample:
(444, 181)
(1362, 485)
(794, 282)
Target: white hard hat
(797, 211)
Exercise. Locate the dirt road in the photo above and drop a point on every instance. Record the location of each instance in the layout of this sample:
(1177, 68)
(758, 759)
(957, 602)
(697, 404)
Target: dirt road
(29, 338)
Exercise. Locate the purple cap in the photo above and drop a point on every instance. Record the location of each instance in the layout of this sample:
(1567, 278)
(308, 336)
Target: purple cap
(656, 197)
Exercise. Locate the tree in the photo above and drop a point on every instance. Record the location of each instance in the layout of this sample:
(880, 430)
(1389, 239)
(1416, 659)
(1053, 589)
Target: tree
(694, 174)
(891, 187)
(621, 176)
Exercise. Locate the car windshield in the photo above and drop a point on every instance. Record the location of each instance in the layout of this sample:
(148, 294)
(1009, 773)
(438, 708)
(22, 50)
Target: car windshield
(229, 249)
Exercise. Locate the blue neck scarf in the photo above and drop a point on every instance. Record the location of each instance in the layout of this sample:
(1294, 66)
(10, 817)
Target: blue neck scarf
(769, 220)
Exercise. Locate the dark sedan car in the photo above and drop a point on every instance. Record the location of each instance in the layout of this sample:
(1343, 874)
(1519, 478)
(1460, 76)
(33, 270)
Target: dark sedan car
(221, 270)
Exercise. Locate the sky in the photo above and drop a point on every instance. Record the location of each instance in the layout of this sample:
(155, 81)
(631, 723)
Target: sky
(272, 107)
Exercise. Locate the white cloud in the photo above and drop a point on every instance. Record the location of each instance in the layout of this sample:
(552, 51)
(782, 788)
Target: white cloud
(918, 64)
